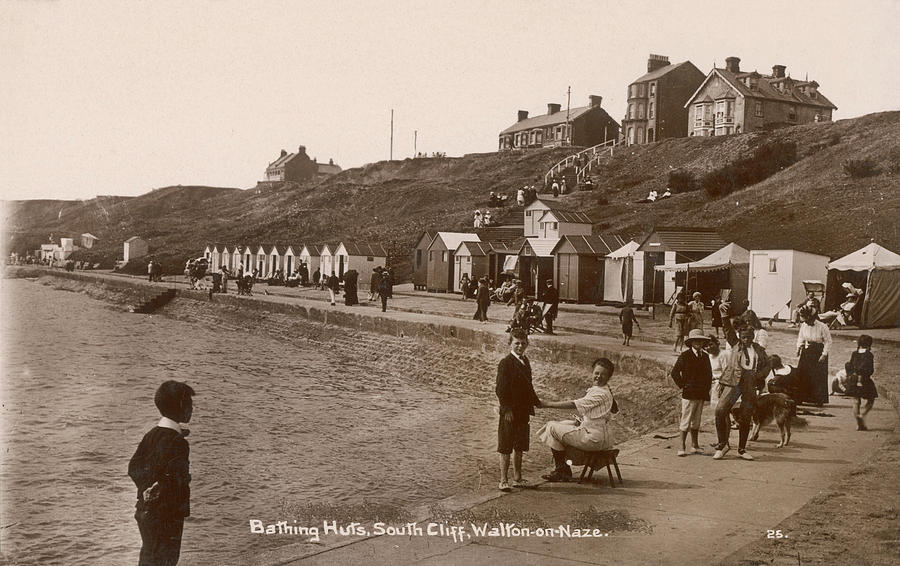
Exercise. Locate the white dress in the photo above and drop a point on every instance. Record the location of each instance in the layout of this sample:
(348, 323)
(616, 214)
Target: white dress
(595, 409)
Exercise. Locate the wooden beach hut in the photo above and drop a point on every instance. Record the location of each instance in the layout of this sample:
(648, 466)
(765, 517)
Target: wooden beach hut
(419, 259)
(470, 258)
(776, 280)
(274, 261)
(536, 264)
(364, 257)
(207, 252)
(289, 260)
(248, 260)
(311, 255)
(237, 257)
(440, 259)
(579, 266)
(726, 268)
(216, 257)
(668, 246)
(260, 258)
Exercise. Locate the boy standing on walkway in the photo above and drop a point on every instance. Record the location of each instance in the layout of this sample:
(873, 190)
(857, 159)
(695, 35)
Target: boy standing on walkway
(160, 470)
(693, 375)
(517, 402)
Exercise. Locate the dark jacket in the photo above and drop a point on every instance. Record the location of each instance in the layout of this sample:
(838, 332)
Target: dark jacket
(514, 389)
(862, 365)
(732, 374)
(162, 456)
(551, 298)
(334, 283)
(693, 375)
(386, 286)
(483, 295)
(374, 281)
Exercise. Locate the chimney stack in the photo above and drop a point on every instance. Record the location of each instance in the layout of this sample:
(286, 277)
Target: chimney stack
(778, 71)
(523, 115)
(656, 62)
(595, 100)
(733, 64)
(283, 153)
(553, 108)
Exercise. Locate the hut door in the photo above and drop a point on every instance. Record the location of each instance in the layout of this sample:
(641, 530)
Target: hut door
(341, 267)
(567, 288)
(450, 272)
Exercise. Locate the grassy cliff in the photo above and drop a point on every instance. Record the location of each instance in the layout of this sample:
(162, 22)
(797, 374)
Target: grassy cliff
(813, 204)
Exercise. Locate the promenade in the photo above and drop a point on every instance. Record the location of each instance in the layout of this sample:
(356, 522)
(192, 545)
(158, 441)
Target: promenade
(671, 510)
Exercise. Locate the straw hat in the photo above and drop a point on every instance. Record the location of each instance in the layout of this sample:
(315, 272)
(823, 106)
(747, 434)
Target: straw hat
(696, 334)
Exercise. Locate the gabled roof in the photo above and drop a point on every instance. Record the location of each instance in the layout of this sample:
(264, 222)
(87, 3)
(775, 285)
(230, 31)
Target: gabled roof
(311, 250)
(365, 249)
(625, 250)
(542, 247)
(475, 249)
(683, 239)
(764, 90)
(545, 120)
(453, 239)
(566, 216)
(592, 245)
(133, 238)
(662, 71)
(276, 249)
(89, 235)
(501, 232)
(427, 235)
(866, 258)
(509, 247)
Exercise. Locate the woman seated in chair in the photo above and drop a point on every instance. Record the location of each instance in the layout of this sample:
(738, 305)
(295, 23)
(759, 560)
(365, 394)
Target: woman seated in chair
(588, 432)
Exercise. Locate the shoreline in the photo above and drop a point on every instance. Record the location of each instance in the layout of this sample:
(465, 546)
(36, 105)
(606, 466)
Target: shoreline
(400, 323)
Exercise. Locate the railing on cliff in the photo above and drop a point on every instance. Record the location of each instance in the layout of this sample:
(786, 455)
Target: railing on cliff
(592, 155)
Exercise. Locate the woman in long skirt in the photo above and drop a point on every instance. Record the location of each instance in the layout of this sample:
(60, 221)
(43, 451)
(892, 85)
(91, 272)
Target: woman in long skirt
(813, 344)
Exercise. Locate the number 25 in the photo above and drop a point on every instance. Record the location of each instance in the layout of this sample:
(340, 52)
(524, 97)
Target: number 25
(774, 534)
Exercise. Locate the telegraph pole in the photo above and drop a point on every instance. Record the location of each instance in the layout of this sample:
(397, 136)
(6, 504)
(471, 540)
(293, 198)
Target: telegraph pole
(568, 107)
(392, 135)
(415, 142)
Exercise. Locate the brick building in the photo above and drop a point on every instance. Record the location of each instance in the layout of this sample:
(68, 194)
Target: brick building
(731, 101)
(583, 126)
(656, 101)
(292, 167)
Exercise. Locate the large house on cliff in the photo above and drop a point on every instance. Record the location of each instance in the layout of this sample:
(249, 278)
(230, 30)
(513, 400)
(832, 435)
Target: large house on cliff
(656, 100)
(298, 167)
(731, 101)
(583, 126)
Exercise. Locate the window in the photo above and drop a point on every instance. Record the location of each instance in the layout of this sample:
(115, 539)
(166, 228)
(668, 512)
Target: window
(468, 259)
(758, 109)
(652, 89)
(641, 111)
(431, 255)
(554, 225)
(773, 265)
(650, 111)
(641, 90)
(444, 256)
(792, 112)
(698, 114)
(528, 213)
(631, 110)
(370, 258)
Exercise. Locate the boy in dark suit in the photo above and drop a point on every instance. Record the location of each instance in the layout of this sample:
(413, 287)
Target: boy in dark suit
(160, 470)
(517, 402)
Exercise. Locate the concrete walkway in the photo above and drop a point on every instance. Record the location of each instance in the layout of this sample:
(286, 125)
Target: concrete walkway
(671, 510)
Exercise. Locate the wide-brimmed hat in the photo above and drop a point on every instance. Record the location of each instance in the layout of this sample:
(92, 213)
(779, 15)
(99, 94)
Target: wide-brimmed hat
(696, 294)
(696, 334)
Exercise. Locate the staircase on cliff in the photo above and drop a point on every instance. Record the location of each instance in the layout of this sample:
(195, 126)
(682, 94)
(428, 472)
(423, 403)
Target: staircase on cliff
(155, 302)
(576, 167)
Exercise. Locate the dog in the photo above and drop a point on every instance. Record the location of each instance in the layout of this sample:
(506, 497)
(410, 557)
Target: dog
(771, 406)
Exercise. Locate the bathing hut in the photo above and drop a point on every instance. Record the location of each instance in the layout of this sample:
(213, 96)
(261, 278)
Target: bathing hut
(726, 268)
(261, 256)
(419, 259)
(503, 259)
(470, 258)
(237, 257)
(207, 252)
(441, 277)
(326, 259)
(618, 270)
(776, 280)
(668, 246)
(364, 257)
(536, 264)
(579, 266)
(289, 260)
(311, 255)
(273, 263)
(875, 270)
(249, 258)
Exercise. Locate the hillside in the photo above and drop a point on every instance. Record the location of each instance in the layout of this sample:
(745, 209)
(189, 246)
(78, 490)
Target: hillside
(811, 205)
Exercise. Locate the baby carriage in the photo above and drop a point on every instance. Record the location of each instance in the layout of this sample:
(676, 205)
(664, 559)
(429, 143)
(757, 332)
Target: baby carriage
(245, 285)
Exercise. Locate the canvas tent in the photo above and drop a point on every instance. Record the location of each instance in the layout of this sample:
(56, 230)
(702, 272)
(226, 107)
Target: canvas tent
(876, 270)
(618, 273)
(725, 268)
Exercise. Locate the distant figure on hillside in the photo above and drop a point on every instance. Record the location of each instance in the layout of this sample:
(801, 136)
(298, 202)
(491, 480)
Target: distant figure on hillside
(150, 270)
(520, 197)
(488, 219)
(555, 188)
(652, 197)
(562, 187)
(588, 184)
(477, 222)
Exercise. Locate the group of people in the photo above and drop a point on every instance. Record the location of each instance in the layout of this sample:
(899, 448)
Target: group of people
(654, 195)
(483, 221)
(526, 195)
(518, 399)
(154, 270)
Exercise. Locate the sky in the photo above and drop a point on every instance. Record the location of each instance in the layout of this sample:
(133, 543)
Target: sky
(102, 98)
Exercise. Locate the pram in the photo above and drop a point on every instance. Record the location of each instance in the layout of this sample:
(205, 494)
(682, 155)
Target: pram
(245, 285)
